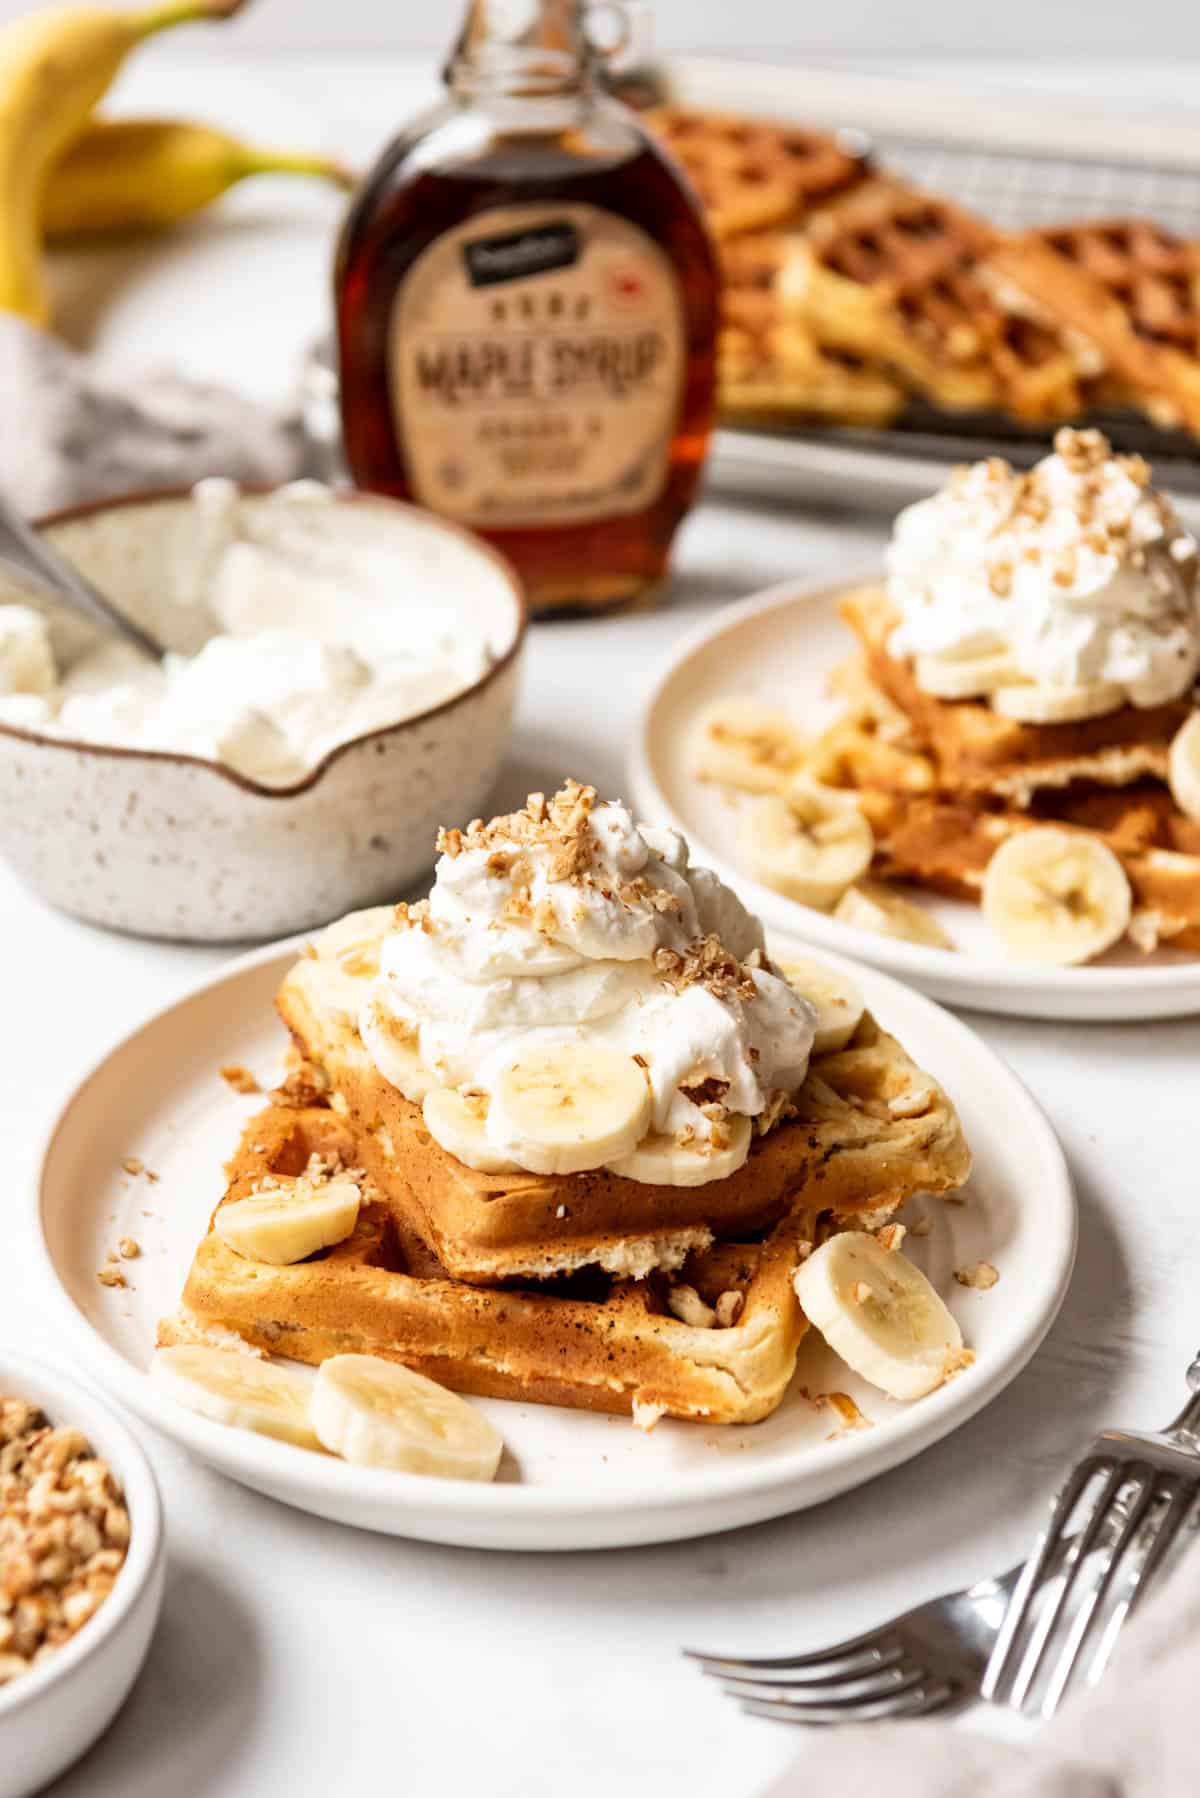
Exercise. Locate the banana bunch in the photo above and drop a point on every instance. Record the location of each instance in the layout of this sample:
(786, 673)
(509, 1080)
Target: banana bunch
(63, 173)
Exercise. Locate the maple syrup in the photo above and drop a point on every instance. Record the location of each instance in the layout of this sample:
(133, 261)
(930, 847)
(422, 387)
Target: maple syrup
(527, 309)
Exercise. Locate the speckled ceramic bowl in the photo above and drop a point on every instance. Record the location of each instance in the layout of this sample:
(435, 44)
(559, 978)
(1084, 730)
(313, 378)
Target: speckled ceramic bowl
(175, 846)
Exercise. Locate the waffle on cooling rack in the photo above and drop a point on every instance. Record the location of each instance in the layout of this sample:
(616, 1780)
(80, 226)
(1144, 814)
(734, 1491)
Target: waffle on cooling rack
(591, 1343)
(870, 1128)
(977, 754)
(754, 173)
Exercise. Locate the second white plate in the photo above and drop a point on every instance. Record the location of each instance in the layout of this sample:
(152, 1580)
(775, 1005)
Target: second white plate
(779, 646)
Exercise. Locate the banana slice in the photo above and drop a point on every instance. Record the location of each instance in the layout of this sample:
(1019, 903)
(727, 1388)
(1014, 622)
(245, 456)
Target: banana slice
(1183, 767)
(569, 1106)
(394, 1051)
(1056, 896)
(879, 1313)
(1030, 703)
(810, 843)
(743, 743)
(872, 906)
(838, 1002)
(237, 1389)
(379, 1414)
(661, 1161)
(966, 677)
(458, 1121)
(289, 1223)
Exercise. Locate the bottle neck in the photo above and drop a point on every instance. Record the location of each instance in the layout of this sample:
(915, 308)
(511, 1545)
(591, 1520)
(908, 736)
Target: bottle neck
(521, 48)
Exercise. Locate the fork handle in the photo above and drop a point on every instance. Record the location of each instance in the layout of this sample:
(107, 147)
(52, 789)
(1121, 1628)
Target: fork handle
(1186, 1427)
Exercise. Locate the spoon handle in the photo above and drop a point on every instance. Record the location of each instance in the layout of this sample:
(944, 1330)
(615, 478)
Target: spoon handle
(25, 550)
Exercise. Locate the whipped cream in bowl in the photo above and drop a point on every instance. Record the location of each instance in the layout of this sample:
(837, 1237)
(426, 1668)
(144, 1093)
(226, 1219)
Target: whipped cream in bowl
(567, 929)
(341, 675)
(1065, 592)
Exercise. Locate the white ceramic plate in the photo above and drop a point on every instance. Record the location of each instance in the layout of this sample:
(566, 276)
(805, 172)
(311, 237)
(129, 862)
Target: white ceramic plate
(780, 646)
(569, 1479)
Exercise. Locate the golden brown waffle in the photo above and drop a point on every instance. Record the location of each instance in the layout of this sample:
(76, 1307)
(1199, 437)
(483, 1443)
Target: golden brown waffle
(591, 1342)
(978, 754)
(870, 1128)
(770, 368)
(1130, 287)
(754, 173)
(904, 277)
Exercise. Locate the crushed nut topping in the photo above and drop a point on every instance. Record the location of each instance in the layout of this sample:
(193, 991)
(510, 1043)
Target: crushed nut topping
(980, 1276)
(559, 823)
(890, 1236)
(129, 1248)
(921, 1226)
(706, 962)
(133, 1166)
(111, 1275)
(239, 1078)
(414, 917)
(64, 1530)
(846, 1410)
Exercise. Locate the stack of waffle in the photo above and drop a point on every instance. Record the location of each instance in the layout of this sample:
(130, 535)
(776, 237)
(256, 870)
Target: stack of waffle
(589, 1290)
(849, 290)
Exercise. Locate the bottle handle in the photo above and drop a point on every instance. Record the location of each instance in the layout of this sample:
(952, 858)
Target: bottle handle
(621, 15)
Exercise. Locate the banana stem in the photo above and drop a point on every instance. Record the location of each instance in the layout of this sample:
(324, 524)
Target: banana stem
(183, 12)
(289, 162)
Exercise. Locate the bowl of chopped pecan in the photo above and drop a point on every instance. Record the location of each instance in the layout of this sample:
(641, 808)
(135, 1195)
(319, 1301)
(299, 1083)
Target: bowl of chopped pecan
(81, 1570)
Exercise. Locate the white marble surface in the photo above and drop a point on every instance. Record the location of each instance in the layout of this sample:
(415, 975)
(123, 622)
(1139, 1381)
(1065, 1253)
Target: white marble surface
(295, 1657)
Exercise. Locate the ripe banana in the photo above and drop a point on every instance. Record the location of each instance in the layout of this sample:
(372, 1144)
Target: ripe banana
(1031, 703)
(394, 1052)
(872, 906)
(122, 175)
(745, 744)
(811, 843)
(1183, 767)
(378, 1414)
(1056, 896)
(879, 1313)
(289, 1223)
(966, 677)
(55, 65)
(458, 1121)
(837, 1001)
(235, 1388)
(662, 1161)
(569, 1106)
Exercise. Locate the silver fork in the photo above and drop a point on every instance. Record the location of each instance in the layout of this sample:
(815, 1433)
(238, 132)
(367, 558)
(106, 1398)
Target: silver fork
(1111, 1527)
(931, 1657)
(979, 1641)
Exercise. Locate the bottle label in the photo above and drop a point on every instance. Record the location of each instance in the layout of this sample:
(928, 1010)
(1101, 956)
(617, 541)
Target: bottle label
(536, 358)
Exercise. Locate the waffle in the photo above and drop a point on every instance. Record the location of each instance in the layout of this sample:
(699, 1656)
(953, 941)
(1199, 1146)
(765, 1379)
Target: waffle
(1131, 288)
(870, 1128)
(904, 277)
(752, 173)
(978, 754)
(770, 368)
(591, 1343)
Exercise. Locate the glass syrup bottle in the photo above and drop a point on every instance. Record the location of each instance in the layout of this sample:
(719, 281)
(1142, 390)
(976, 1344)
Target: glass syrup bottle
(527, 308)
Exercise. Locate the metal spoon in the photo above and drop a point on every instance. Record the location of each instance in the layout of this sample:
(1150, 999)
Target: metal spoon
(24, 549)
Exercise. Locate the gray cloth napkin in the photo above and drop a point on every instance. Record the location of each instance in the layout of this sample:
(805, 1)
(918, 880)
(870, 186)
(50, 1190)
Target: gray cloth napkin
(70, 434)
(1136, 1735)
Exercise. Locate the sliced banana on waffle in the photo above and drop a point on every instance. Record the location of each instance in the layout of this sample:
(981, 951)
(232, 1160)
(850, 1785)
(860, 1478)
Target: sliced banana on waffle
(879, 1313)
(810, 843)
(458, 1121)
(238, 1389)
(1056, 896)
(1029, 702)
(378, 1414)
(664, 1161)
(966, 677)
(838, 1003)
(567, 1107)
(872, 906)
(393, 1049)
(289, 1223)
(1183, 767)
(743, 743)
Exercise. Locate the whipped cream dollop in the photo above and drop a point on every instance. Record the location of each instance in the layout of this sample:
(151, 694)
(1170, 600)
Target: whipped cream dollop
(309, 638)
(569, 922)
(1078, 570)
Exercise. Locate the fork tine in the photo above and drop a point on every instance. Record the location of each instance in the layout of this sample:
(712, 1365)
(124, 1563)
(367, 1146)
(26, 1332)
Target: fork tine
(849, 1692)
(808, 1669)
(874, 1648)
(1090, 1611)
(1003, 1660)
(916, 1703)
(1179, 1502)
